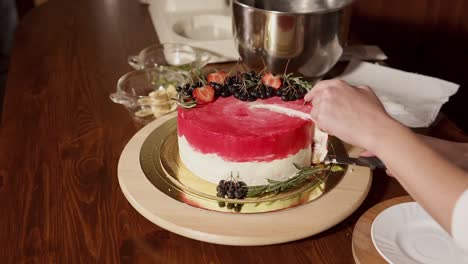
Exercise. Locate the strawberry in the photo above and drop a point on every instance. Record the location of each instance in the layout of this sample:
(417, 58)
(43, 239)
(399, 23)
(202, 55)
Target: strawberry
(204, 94)
(271, 80)
(217, 77)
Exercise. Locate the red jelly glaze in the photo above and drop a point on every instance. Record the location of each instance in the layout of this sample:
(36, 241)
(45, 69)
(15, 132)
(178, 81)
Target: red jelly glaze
(230, 129)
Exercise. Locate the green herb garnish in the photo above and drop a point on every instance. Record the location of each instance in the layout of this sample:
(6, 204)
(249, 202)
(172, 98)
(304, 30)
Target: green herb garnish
(186, 102)
(305, 173)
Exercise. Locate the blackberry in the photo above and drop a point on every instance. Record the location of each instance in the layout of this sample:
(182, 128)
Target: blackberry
(263, 92)
(227, 185)
(225, 93)
(232, 80)
(238, 208)
(221, 194)
(222, 183)
(291, 97)
(285, 97)
(279, 92)
(231, 189)
(239, 194)
(249, 75)
(233, 88)
(270, 92)
(230, 194)
(218, 87)
(230, 206)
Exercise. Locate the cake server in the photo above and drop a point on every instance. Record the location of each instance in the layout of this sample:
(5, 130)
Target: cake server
(371, 162)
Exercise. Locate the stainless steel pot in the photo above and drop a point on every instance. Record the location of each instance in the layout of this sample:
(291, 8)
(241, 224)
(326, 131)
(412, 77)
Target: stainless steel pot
(310, 34)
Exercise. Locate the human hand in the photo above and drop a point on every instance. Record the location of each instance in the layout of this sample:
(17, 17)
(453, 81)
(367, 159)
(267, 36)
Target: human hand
(367, 153)
(354, 114)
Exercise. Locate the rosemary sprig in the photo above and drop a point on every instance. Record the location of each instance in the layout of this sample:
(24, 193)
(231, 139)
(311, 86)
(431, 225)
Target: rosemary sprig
(304, 173)
(292, 83)
(197, 76)
(186, 102)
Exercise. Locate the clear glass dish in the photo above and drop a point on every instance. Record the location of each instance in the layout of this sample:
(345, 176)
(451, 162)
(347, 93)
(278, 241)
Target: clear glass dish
(147, 93)
(176, 56)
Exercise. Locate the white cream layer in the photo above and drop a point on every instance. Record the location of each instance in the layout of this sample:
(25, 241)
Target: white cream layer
(213, 168)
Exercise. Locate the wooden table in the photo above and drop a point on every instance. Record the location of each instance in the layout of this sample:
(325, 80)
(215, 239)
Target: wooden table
(60, 141)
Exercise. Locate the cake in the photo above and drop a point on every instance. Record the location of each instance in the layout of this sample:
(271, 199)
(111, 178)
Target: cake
(230, 136)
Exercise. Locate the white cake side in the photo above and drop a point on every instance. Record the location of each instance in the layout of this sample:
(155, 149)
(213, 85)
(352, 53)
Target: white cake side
(213, 168)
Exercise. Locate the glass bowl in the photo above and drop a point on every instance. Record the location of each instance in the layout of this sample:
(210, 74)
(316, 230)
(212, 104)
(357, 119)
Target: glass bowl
(147, 93)
(176, 56)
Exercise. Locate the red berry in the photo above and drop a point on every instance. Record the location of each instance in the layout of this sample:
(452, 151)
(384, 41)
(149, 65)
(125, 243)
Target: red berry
(217, 77)
(271, 80)
(204, 94)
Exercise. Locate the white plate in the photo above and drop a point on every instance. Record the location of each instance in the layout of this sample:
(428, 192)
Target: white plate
(405, 233)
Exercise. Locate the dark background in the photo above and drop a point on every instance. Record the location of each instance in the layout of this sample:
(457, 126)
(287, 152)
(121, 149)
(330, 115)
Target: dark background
(424, 36)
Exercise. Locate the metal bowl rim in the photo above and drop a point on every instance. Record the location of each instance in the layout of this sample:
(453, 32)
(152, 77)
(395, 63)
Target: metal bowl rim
(318, 12)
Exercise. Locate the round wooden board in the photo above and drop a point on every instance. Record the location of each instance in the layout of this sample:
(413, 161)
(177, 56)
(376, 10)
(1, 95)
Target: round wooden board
(237, 229)
(364, 251)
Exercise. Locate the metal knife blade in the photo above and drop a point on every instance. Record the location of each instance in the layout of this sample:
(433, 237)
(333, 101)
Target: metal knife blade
(371, 162)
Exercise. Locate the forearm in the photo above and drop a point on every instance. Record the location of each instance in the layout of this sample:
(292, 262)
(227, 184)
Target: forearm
(455, 152)
(428, 177)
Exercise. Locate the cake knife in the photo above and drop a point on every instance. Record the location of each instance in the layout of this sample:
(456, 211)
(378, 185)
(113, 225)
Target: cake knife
(370, 162)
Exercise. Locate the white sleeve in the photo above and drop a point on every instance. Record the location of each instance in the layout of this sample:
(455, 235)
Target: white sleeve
(460, 221)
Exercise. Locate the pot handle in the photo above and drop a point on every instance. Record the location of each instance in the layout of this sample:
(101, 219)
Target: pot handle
(134, 61)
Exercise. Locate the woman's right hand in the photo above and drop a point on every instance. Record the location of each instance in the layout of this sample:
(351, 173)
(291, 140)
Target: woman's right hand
(353, 114)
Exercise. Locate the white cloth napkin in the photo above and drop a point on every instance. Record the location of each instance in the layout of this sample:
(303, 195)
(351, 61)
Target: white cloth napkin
(413, 99)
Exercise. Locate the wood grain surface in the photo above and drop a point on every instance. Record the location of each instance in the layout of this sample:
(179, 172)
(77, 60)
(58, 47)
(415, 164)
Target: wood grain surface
(61, 137)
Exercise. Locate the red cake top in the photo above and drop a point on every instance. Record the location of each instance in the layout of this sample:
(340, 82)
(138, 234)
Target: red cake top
(232, 130)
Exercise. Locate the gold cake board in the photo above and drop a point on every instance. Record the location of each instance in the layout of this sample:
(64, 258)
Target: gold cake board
(237, 229)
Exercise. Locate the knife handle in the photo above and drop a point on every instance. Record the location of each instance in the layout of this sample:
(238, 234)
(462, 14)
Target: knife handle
(373, 162)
